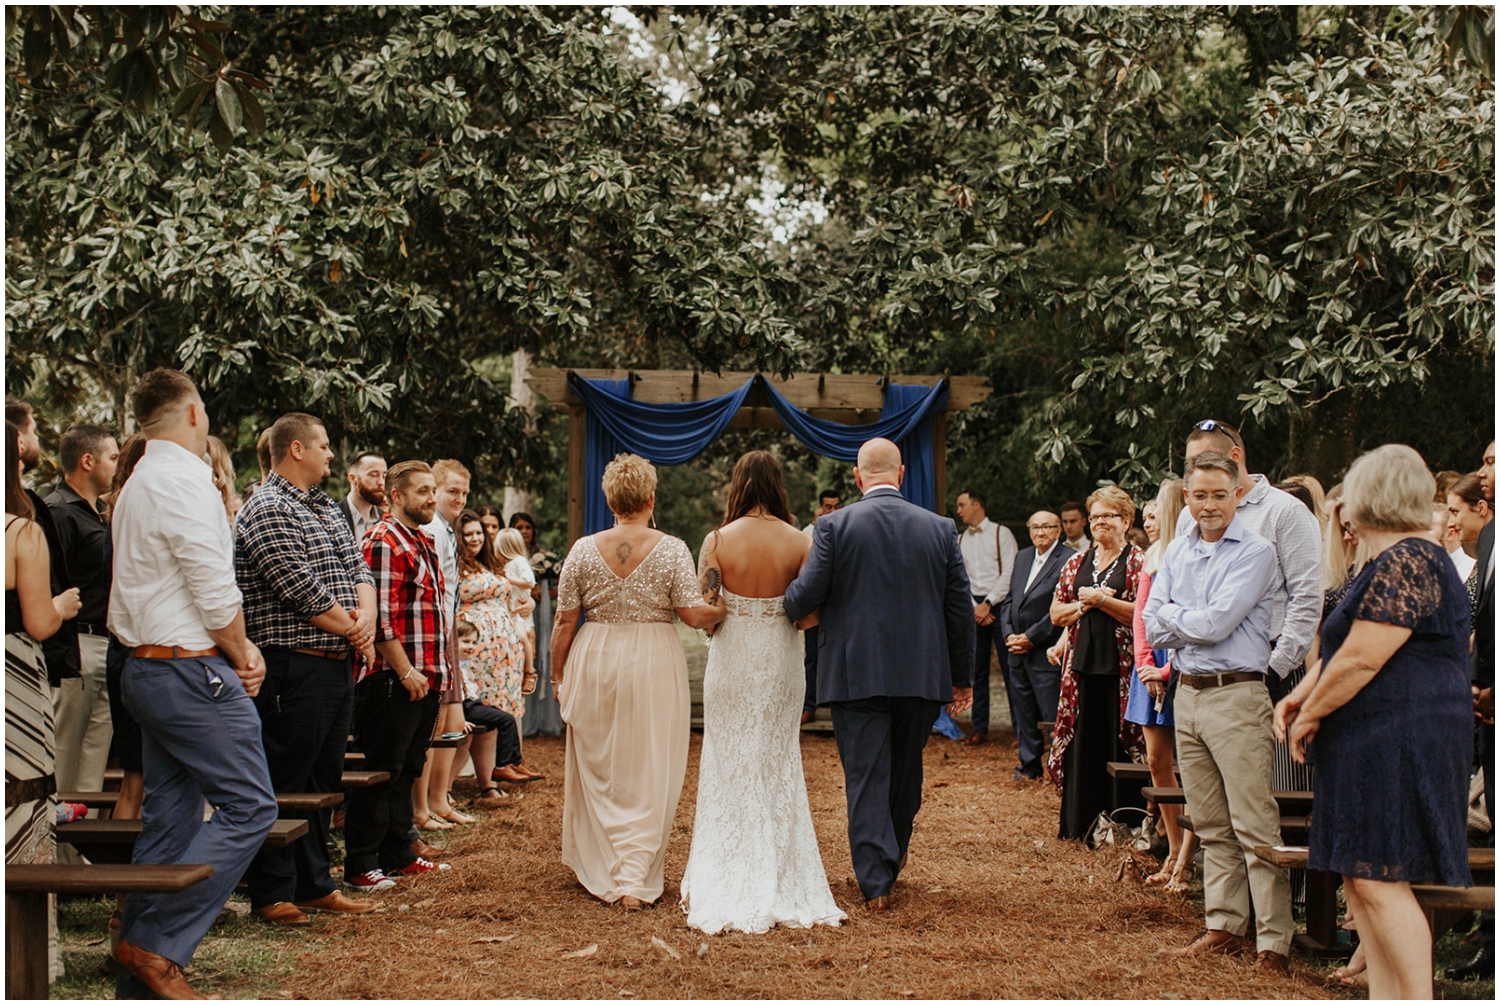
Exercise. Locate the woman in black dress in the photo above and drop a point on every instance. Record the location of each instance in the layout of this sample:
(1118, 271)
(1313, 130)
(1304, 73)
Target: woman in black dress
(1095, 601)
(1387, 715)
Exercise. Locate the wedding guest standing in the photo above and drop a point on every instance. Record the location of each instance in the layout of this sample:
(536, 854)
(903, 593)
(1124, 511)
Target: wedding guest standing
(989, 552)
(1469, 513)
(622, 682)
(188, 681)
(1387, 713)
(1211, 604)
(1028, 631)
(542, 715)
(1149, 706)
(1095, 602)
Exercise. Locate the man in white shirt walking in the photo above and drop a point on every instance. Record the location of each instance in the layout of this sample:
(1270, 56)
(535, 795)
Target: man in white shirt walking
(989, 552)
(188, 681)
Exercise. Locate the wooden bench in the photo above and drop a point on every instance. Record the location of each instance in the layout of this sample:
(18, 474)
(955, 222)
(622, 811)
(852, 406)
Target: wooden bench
(26, 890)
(363, 779)
(1290, 824)
(1322, 892)
(298, 801)
(113, 841)
(1129, 771)
(1291, 801)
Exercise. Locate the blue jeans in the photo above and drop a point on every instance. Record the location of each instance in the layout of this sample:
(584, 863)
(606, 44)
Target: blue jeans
(200, 741)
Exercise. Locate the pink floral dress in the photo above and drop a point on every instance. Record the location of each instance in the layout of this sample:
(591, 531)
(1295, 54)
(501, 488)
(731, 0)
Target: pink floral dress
(500, 663)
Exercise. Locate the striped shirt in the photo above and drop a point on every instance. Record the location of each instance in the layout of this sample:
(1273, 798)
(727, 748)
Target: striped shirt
(295, 558)
(409, 594)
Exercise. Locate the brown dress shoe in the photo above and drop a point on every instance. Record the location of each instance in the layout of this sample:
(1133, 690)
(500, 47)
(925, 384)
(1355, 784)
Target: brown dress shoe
(1275, 964)
(158, 973)
(1210, 942)
(806, 717)
(976, 738)
(336, 903)
(281, 913)
(880, 903)
(431, 852)
(513, 774)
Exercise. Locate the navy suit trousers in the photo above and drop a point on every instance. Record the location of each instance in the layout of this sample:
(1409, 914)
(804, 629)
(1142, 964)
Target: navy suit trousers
(880, 743)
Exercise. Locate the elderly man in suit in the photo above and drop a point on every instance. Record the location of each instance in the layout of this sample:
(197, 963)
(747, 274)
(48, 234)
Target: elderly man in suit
(1027, 630)
(896, 642)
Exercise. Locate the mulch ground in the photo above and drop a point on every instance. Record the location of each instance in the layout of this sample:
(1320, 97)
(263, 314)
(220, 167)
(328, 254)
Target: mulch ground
(991, 905)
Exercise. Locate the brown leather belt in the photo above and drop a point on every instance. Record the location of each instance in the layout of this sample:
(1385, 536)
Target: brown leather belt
(327, 654)
(1200, 681)
(171, 652)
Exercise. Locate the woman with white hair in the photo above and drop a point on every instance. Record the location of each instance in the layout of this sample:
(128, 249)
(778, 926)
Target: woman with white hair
(1388, 714)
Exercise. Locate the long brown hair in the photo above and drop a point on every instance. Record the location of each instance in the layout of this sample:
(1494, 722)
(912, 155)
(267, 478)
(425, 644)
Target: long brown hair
(756, 481)
(17, 503)
(485, 560)
(131, 452)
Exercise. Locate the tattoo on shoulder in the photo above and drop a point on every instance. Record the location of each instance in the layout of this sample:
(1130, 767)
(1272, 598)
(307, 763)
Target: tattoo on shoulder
(623, 552)
(711, 581)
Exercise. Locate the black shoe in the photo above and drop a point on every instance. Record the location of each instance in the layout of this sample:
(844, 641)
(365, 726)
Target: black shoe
(1020, 776)
(1482, 965)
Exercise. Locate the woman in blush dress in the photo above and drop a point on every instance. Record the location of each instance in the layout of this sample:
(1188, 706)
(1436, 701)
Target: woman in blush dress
(755, 862)
(622, 682)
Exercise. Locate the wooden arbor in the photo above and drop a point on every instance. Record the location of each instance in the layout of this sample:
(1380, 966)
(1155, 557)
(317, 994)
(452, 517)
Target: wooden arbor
(849, 398)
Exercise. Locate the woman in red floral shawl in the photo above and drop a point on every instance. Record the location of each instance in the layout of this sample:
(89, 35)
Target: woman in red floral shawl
(1095, 601)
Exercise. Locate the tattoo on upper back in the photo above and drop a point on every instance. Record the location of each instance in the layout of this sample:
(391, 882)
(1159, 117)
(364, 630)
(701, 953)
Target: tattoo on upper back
(623, 552)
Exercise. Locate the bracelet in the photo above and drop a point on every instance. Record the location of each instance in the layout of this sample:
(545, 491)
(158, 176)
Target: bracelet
(408, 673)
(555, 680)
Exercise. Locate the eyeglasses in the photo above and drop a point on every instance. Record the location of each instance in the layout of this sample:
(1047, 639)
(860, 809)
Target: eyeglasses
(1101, 517)
(1210, 425)
(1043, 526)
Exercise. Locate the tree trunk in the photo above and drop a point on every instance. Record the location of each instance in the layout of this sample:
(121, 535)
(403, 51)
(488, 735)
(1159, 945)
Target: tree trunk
(521, 499)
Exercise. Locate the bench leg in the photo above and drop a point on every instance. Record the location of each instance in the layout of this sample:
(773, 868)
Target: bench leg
(1322, 938)
(25, 945)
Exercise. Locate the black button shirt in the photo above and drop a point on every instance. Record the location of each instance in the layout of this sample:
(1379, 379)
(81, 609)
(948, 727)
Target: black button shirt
(81, 530)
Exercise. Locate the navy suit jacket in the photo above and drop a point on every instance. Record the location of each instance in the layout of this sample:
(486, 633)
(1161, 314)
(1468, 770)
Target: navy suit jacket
(1483, 660)
(1029, 612)
(895, 615)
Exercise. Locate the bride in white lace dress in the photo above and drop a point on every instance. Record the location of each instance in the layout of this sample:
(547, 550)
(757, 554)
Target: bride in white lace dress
(755, 862)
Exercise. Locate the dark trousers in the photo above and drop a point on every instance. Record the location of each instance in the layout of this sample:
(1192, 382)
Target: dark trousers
(810, 668)
(1487, 759)
(880, 743)
(1034, 699)
(393, 731)
(305, 705)
(507, 740)
(200, 741)
(987, 639)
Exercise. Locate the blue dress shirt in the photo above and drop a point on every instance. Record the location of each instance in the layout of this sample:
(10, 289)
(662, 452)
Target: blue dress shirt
(1212, 602)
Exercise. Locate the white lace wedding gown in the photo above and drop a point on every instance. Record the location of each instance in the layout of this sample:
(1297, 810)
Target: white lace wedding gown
(754, 863)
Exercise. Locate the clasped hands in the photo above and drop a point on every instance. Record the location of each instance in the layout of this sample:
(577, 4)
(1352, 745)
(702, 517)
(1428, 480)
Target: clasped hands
(1288, 722)
(1090, 597)
(1154, 677)
(361, 634)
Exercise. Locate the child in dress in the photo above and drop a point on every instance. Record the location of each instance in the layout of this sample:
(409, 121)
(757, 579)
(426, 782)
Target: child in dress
(511, 546)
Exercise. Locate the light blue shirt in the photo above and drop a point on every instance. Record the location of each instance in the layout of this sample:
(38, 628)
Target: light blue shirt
(1212, 603)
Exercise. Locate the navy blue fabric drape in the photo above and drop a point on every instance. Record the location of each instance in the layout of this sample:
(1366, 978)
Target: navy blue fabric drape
(676, 433)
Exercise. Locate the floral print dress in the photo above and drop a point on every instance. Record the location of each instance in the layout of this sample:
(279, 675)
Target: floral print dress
(500, 663)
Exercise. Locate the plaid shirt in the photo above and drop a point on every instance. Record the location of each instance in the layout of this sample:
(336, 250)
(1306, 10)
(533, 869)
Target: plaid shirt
(409, 593)
(294, 558)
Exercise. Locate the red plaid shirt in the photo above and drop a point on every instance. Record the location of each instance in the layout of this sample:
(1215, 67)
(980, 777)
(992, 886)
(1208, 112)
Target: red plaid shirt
(409, 593)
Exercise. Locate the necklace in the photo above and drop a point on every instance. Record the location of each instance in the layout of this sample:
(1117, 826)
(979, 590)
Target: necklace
(1099, 579)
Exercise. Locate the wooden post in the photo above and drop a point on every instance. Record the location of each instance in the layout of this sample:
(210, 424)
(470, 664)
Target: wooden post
(25, 944)
(940, 461)
(577, 471)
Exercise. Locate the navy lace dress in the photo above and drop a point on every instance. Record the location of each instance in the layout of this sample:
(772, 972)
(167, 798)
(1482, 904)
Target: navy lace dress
(1392, 779)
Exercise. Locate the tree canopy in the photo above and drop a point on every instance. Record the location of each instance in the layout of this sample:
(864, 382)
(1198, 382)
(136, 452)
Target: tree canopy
(1128, 218)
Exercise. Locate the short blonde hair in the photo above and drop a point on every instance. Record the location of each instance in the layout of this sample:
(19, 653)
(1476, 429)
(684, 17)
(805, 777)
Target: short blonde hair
(1113, 495)
(1390, 488)
(629, 482)
(510, 544)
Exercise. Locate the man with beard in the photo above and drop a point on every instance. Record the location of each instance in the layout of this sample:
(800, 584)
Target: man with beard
(361, 507)
(396, 694)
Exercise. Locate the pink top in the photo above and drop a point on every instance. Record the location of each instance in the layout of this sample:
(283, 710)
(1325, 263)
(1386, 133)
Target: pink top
(1143, 656)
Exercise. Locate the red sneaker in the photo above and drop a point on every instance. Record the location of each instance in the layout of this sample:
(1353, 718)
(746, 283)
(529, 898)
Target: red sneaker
(420, 866)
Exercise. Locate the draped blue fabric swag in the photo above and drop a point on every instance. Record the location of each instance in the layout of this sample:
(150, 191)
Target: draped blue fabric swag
(676, 433)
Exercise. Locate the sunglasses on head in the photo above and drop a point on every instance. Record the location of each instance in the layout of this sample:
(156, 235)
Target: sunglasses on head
(1210, 425)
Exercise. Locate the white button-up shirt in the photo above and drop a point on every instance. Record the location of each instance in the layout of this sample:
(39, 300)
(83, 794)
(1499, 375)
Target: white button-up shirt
(445, 543)
(173, 577)
(989, 556)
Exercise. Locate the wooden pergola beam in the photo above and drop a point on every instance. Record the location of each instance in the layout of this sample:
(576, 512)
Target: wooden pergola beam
(854, 399)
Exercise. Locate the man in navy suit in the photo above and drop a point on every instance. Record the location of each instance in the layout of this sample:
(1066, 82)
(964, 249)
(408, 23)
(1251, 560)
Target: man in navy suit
(896, 640)
(1027, 630)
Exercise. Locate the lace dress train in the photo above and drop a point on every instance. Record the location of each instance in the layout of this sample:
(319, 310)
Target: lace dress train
(754, 862)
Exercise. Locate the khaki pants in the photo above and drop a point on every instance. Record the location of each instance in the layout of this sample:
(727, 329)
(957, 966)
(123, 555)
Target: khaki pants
(83, 728)
(1224, 750)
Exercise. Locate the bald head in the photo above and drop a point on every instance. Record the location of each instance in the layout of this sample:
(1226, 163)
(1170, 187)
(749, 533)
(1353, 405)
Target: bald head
(879, 463)
(1044, 528)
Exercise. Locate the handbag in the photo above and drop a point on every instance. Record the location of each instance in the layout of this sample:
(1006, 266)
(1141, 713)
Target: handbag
(1113, 830)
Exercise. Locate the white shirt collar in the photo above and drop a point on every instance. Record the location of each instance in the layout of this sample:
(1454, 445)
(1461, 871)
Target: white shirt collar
(881, 488)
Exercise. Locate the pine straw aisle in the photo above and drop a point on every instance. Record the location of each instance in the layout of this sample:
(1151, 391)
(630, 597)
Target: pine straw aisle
(990, 906)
